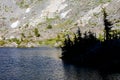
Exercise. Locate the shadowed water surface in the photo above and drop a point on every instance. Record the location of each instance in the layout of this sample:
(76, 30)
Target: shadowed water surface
(40, 64)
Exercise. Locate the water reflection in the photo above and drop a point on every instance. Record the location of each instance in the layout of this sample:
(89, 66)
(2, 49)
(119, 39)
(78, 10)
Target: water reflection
(40, 64)
(79, 73)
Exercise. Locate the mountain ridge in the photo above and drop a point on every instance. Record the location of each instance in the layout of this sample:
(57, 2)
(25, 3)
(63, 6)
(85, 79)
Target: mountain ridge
(53, 19)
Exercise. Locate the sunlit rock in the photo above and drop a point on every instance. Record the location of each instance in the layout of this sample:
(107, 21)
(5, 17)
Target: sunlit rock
(11, 37)
(15, 24)
(24, 17)
(85, 19)
(64, 15)
(1, 38)
(118, 1)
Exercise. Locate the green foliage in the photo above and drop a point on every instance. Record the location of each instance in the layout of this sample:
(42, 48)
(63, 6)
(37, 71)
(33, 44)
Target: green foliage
(118, 24)
(117, 21)
(109, 0)
(49, 26)
(23, 35)
(108, 25)
(23, 4)
(104, 1)
(39, 0)
(36, 32)
(6, 9)
(25, 41)
(49, 20)
(4, 18)
(100, 1)
(2, 42)
(101, 37)
(49, 42)
(66, 22)
(17, 41)
(52, 41)
(30, 35)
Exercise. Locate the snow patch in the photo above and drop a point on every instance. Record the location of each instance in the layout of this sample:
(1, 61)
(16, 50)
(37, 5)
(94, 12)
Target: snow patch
(15, 24)
(64, 14)
(27, 10)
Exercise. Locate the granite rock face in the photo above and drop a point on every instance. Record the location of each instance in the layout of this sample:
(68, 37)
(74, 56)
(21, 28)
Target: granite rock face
(20, 18)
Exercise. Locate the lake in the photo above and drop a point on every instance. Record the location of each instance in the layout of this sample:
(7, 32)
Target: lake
(41, 64)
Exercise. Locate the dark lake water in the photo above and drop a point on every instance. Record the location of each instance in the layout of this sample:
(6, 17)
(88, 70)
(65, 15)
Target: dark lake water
(40, 64)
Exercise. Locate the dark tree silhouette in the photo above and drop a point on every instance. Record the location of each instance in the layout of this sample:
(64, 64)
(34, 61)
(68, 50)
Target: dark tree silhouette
(87, 50)
(107, 25)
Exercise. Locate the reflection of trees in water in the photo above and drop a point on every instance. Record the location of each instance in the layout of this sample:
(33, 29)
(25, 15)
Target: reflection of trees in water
(72, 72)
(90, 51)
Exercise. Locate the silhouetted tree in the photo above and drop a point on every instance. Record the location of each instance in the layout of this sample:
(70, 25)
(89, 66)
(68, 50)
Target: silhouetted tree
(107, 25)
(87, 50)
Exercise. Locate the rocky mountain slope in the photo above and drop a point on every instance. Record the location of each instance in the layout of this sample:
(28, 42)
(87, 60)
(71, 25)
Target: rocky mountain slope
(33, 23)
